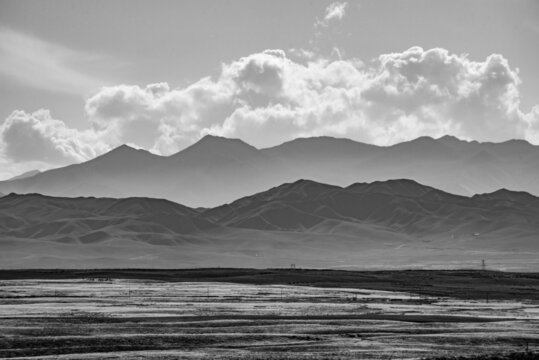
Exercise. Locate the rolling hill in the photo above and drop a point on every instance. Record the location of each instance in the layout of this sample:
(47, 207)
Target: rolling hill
(88, 220)
(216, 170)
(396, 224)
(400, 206)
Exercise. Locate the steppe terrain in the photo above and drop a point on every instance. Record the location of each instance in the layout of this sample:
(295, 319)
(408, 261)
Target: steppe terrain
(270, 314)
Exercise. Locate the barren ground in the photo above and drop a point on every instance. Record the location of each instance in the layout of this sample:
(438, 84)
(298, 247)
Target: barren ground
(111, 317)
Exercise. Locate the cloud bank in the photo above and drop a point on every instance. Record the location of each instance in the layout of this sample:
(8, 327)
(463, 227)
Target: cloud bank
(267, 98)
(39, 137)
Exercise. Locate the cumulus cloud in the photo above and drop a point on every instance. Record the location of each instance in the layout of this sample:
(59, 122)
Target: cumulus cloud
(478, 100)
(159, 118)
(335, 11)
(328, 28)
(27, 137)
(531, 120)
(267, 98)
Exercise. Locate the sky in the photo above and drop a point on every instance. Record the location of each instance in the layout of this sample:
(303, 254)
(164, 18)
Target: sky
(78, 78)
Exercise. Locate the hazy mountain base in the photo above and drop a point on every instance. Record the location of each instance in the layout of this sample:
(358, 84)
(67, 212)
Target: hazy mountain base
(250, 248)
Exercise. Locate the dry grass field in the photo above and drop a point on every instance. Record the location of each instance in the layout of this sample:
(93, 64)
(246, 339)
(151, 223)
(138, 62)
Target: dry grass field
(117, 318)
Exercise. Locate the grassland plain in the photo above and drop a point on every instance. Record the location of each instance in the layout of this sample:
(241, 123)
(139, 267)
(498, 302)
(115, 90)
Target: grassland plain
(265, 314)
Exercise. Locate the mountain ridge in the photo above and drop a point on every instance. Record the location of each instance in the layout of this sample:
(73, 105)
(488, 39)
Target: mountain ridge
(24, 175)
(306, 222)
(217, 170)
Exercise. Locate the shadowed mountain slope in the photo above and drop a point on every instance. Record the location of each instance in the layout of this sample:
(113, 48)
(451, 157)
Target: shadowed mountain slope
(217, 170)
(83, 220)
(402, 206)
(396, 223)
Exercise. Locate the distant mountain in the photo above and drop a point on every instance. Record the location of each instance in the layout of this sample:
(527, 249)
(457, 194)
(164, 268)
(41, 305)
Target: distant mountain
(395, 224)
(212, 171)
(121, 172)
(447, 163)
(217, 170)
(90, 220)
(25, 175)
(401, 206)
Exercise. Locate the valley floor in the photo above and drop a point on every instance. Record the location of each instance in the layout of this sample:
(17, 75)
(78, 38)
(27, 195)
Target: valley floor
(256, 314)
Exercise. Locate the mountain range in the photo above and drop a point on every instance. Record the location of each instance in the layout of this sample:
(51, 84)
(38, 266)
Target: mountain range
(382, 224)
(216, 171)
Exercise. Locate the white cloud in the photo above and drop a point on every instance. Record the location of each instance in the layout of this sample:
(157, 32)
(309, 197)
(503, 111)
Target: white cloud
(327, 32)
(334, 14)
(44, 65)
(267, 98)
(157, 117)
(477, 100)
(335, 11)
(38, 137)
(532, 123)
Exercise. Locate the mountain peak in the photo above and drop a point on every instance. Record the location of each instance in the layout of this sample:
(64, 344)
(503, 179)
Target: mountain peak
(308, 185)
(220, 140)
(419, 141)
(322, 147)
(445, 139)
(506, 194)
(517, 141)
(403, 187)
(318, 139)
(210, 137)
(124, 148)
(517, 144)
(450, 139)
(213, 147)
(122, 157)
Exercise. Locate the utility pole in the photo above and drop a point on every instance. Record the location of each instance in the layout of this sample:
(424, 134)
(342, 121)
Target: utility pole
(483, 265)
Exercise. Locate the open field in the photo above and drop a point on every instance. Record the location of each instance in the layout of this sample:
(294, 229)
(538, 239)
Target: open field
(463, 284)
(100, 316)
